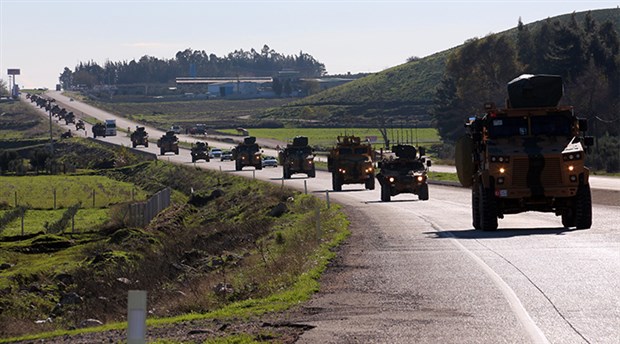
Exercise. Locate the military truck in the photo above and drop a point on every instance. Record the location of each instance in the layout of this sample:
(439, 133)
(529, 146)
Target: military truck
(139, 137)
(98, 129)
(200, 151)
(404, 171)
(350, 162)
(247, 153)
(297, 157)
(168, 142)
(528, 156)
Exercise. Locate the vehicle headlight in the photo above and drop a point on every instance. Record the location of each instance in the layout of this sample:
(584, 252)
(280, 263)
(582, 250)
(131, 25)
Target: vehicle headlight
(420, 178)
(502, 170)
(391, 179)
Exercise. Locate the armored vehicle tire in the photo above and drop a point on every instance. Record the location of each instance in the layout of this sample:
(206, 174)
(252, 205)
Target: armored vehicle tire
(193, 159)
(475, 209)
(312, 173)
(488, 213)
(134, 145)
(146, 144)
(336, 183)
(583, 207)
(259, 166)
(370, 182)
(423, 193)
(568, 218)
(238, 166)
(162, 152)
(286, 174)
(176, 151)
(385, 194)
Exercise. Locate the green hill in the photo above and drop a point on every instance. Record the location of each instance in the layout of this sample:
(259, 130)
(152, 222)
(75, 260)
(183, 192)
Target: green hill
(401, 94)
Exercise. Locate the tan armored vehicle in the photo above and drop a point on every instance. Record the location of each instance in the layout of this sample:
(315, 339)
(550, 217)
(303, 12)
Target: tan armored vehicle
(350, 162)
(168, 143)
(247, 153)
(404, 173)
(98, 129)
(528, 156)
(139, 137)
(200, 151)
(297, 157)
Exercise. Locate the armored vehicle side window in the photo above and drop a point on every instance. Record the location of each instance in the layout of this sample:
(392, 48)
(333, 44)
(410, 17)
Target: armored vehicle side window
(507, 126)
(553, 125)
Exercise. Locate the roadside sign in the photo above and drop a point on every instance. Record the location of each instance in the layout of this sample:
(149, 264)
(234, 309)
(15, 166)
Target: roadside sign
(12, 71)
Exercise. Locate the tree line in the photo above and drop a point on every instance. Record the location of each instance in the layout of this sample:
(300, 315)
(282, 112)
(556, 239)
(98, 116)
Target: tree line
(585, 53)
(190, 63)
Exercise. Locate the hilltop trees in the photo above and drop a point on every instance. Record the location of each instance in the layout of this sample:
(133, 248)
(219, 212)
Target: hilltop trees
(189, 63)
(584, 53)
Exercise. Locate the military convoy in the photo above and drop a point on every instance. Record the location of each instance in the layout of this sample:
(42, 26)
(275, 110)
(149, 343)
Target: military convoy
(351, 162)
(528, 156)
(297, 157)
(405, 173)
(200, 151)
(169, 142)
(139, 137)
(247, 153)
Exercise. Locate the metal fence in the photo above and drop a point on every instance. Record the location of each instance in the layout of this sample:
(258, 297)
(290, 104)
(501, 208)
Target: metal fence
(140, 214)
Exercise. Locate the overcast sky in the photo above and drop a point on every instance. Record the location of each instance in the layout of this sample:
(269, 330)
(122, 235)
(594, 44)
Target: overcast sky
(44, 36)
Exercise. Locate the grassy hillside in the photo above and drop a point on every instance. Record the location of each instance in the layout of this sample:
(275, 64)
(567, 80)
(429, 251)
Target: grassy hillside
(401, 92)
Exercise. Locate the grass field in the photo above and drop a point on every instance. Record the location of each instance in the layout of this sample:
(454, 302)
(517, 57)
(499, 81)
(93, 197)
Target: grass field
(34, 221)
(326, 137)
(38, 191)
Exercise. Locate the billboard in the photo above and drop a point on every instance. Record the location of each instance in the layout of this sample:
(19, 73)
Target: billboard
(12, 71)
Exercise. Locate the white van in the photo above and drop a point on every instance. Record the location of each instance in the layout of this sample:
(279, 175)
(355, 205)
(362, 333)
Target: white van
(110, 127)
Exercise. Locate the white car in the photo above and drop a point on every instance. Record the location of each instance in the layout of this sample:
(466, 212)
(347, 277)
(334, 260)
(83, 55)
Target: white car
(270, 161)
(215, 153)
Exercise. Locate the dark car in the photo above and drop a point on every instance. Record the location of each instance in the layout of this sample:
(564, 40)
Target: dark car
(226, 155)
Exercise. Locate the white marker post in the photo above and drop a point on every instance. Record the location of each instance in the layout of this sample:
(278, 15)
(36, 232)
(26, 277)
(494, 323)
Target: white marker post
(136, 317)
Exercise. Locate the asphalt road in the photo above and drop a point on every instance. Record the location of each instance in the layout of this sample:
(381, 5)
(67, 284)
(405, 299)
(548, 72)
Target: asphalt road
(416, 272)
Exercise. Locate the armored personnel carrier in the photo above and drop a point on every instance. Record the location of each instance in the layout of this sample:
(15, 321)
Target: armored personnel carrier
(528, 156)
(98, 129)
(200, 151)
(407, 173)
(247, 153)
(297, 157)
(350, 162)
(139, 137)
(169, 142)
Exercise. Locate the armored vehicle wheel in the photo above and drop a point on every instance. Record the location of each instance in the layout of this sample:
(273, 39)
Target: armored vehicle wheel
(259, 166)
(568, 218)
(312, 173)
(176, 151)
(146, 144)
(134, 145)
(336, 182)
(370, 182)
(583, 207)
(385, 194)
(193, 159)
(162, 152)
(285, 173)
(423, 193)
(475, 208)
(238, 166)
(488, 213)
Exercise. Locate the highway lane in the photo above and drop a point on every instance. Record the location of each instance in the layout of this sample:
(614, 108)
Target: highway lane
(416, 271)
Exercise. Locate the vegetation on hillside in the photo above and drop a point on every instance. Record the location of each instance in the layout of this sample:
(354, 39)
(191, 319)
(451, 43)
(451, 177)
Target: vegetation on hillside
(233, 239)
